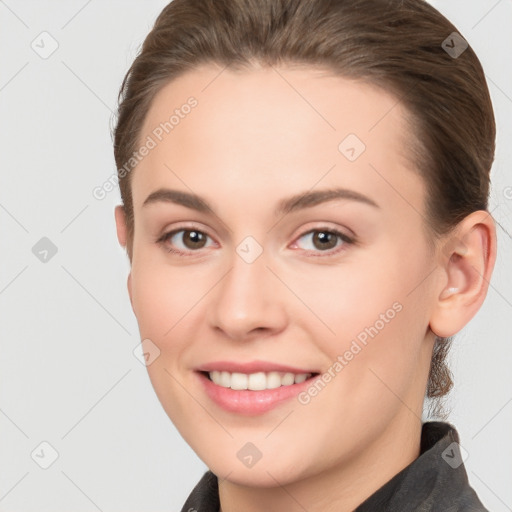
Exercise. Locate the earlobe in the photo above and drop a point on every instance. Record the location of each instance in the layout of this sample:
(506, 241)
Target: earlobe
(467, 269)
(120, 217)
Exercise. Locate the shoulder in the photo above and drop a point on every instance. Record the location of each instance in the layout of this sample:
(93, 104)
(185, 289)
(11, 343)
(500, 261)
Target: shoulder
(205, 495)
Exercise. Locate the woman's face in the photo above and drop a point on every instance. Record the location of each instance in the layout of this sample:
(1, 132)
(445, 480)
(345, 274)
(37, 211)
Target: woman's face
(276, 281)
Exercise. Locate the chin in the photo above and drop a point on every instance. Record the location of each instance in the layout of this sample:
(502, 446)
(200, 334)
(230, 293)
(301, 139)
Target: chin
(271, 470)
(265, 476)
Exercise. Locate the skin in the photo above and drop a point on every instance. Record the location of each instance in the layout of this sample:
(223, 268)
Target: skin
(255, 138)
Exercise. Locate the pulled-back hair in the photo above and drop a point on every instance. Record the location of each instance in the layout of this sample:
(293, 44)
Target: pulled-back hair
(394, 44)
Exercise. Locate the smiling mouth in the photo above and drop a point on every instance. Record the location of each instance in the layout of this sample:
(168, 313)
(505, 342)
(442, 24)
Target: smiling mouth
(258, 381)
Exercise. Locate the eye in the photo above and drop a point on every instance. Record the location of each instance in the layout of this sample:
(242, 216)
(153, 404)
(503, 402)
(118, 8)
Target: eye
(323, 240)
(184, 241)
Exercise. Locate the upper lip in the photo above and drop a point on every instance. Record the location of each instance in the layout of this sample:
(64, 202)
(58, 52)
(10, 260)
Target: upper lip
(251, 367)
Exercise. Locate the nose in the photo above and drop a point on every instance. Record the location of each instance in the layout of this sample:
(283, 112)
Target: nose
(248, 302)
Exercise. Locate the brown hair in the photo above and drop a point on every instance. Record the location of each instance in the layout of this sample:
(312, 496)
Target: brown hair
(394, 44)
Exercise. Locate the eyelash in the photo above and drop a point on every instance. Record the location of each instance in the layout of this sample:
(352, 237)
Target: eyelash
(347, 240)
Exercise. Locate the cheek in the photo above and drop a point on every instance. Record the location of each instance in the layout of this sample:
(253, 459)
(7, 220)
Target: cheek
(350, 298)
(161, 294)
(162, 304)
(164, 308)
(376, 313)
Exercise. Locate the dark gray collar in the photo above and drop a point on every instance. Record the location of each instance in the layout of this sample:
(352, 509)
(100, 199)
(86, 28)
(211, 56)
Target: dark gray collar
(435, 482)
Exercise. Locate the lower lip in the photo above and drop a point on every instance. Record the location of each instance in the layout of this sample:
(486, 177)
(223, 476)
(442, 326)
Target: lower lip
(250, 402)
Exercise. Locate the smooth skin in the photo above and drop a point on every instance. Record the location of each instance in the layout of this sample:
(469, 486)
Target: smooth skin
(255, 138)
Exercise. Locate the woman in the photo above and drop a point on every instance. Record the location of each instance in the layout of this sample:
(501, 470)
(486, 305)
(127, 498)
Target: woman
(304, 189)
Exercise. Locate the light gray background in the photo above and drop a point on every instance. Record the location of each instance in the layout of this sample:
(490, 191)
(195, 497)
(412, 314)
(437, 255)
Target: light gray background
(68, 375)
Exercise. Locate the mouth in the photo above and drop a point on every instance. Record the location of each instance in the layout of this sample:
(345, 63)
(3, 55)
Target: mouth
(252, 389)
(258, 381)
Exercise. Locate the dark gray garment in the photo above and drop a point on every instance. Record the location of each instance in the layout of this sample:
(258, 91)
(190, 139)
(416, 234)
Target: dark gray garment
(435, 482)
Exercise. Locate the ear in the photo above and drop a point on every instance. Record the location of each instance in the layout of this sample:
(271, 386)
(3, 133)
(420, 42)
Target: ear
(120, 216)
(467, 262)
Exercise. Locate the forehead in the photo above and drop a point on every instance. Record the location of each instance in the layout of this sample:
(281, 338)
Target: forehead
(273, 126)
(264, 99)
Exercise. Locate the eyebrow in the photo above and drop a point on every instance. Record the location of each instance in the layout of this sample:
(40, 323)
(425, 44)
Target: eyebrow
(294, 203)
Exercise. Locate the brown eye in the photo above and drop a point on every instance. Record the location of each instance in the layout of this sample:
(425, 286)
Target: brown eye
(324, 240)
(183, 241)
(193, 239)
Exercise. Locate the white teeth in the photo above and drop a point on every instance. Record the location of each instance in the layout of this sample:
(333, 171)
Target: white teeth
(225, 379)
(289, 379)
(239, 381)
(256, 381)
(273, 380)
(300, 378)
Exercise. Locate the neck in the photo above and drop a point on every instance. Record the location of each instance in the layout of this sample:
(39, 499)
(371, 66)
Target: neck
(342, 487)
